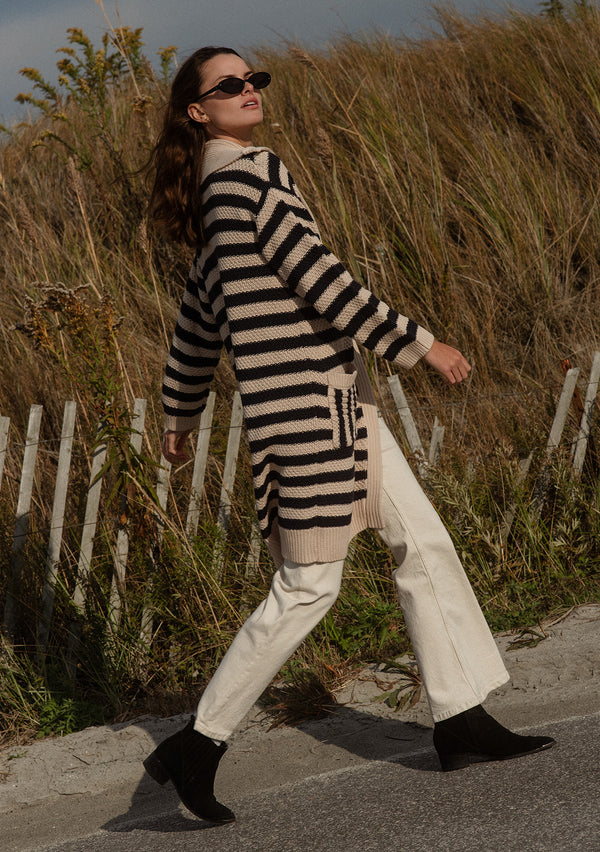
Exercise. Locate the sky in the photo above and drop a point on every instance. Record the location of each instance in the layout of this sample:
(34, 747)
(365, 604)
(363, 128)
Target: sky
(32, 30)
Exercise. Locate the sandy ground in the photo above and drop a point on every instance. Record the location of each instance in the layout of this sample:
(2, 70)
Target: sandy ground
(556, 679)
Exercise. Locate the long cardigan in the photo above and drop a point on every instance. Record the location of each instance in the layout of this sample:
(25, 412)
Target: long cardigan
(288, 313)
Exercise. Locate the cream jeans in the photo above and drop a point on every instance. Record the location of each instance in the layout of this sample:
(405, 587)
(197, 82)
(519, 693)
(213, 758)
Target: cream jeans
(455, 651)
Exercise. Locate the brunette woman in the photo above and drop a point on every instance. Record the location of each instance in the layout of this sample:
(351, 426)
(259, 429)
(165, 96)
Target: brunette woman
(325, 465)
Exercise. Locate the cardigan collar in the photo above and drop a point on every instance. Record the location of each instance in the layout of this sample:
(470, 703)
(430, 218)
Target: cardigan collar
(219, 153)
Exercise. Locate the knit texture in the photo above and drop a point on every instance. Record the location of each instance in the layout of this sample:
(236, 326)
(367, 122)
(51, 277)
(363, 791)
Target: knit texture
(287, 312)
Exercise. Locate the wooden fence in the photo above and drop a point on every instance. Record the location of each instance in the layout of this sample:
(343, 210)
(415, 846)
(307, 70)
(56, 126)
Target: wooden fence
(424, 461)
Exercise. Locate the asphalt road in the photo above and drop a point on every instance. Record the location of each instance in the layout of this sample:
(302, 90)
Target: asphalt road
(549, 801)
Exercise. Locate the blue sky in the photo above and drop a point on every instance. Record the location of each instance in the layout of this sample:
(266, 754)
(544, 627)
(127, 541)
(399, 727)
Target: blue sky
(32, 30)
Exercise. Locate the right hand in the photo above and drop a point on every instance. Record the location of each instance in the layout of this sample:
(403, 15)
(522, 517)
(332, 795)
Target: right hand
(173, 444)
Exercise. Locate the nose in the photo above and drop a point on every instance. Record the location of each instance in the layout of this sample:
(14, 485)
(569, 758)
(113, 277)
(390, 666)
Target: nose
(248, 88)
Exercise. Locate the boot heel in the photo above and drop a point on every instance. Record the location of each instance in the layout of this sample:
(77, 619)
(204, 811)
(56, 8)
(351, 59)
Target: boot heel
(156, 770)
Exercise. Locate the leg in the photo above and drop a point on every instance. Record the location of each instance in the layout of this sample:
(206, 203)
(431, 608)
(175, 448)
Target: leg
(299, 597)
(456, 653)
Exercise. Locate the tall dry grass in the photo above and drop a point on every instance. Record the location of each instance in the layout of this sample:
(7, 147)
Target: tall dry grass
(457, 177)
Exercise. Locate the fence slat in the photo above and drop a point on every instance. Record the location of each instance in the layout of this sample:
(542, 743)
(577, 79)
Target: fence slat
(522, 471)
(193, 516)
(86, 548)
(556, 430)
(410, 428)
(562, 410)
(233, 445)
(22, 522)
(89, 526)
(586, 419)
(4, 424)
(122, 544)
(162, 492)
(254, 551)
(57, 523)
(437, 438)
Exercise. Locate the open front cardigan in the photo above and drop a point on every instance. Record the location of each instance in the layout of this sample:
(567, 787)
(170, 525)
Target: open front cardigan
(287, 312)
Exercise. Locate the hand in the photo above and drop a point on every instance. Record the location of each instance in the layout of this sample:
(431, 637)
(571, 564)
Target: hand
(449, 362)
(173, 446)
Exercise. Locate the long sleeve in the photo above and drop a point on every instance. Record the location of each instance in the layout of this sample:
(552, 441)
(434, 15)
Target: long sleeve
(192, 360)
(289, 242)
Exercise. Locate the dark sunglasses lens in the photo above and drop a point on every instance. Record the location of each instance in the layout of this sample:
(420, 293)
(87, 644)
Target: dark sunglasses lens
(260, 80)
(235, 85)
(232, 85)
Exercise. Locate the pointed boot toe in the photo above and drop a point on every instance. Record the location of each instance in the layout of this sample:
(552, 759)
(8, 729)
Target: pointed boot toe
(476, 737)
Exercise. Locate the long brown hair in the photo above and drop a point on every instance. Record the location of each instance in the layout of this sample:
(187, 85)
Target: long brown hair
(177, 156)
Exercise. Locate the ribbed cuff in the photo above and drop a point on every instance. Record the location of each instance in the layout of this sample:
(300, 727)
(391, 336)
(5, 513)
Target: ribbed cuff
(181, 424)
(412, 353)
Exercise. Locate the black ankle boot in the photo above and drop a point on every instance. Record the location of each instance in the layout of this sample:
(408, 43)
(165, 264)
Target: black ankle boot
(190, 760)
(475, 737)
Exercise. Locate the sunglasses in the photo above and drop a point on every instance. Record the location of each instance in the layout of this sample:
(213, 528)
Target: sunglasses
(235, 85)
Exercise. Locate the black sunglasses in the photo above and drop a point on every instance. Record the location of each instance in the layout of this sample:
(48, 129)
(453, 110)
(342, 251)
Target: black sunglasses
(235, 85)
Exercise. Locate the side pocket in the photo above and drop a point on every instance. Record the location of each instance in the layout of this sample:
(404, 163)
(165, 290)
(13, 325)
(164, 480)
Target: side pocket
(342, 396)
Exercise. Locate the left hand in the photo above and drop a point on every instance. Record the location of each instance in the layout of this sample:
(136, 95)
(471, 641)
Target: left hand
(449, 362)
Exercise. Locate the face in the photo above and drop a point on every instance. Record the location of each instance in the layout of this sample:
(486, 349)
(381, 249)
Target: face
(224, 116)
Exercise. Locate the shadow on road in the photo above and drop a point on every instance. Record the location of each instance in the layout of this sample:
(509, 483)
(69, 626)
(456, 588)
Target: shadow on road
(362, 735)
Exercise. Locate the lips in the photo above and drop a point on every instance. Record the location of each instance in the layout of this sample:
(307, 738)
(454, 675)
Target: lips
(251, 102)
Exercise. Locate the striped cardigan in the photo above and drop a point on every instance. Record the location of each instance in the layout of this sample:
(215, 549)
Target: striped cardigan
(288, 314)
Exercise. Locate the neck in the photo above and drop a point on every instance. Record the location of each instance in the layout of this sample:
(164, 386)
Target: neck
(244, 140)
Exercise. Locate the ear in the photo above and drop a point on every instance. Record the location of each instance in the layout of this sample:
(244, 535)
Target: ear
(196, 113)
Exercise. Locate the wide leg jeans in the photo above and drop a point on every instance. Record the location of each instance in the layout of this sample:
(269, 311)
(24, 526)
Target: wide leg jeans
(455, 651)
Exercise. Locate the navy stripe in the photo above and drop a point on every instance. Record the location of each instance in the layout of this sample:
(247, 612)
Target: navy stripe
(286, 344)
(283, 318)
(315, 522)
(226, 225)
(285, 368)
(234, 176)
(395, 347)
(193, 338)
(177, 412)
(285, 393)
(322, 499)
(324, 477)
(198, 360)
(331, 274)
(187, 378)
(284, 250)
(252, 272)
(262, 294)
(324, 457)
(289, 416)
(296, 234)
(233, 200)
(294, 439)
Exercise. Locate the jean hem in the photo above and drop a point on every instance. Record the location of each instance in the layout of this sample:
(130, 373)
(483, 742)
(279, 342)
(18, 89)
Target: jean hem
(471, 702)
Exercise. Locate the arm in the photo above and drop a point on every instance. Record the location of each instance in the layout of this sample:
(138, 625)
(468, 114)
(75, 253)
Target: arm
(193, 358)
(289, 243)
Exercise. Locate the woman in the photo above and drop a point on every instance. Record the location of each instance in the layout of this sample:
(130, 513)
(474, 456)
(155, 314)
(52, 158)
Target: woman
(324, 464)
